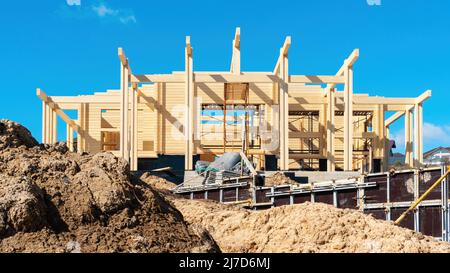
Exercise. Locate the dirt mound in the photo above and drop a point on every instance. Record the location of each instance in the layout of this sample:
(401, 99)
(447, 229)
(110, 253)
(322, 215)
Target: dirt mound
(304, 227)
(22, 206)
(157, 182)
(13, 135)
(277, 179)
(52, 200)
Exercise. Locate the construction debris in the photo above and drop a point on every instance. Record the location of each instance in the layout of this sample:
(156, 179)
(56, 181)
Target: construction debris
(52, 200)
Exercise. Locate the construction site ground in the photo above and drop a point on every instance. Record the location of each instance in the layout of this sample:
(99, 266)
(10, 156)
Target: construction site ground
(52, 200)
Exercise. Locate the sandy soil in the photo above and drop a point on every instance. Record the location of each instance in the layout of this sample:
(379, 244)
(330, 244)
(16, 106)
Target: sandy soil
(303, 227)
(52, 200)
(277, 179)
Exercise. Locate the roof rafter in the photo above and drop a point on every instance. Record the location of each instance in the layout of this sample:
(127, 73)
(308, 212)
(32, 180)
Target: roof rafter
(41, 94)
(347, 63)
(123, 59)
(283, 52)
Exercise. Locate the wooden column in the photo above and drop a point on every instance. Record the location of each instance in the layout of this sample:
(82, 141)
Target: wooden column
(49, 124)
(386, 143)
(54, 127)
(421, 133)
(124, 108)
(348, 119)
(284, 112)
(323, 130)
(82, 122)
(382, 149)
(133, 137)
(189, 100)
(44, 122)
(69, 137)
(418, 134)
(331, 159)
(236, 59)
(409, 160)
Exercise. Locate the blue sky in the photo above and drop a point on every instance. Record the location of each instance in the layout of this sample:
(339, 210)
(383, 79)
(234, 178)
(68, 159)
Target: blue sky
(69, 47)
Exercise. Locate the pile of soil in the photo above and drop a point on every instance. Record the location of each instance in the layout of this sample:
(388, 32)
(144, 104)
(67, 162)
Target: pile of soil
(278, 179)
(157, 182)
(52, 200)
(307, 227)
(13, 135)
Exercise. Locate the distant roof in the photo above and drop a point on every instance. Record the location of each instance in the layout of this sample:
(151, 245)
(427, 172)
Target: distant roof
(436, 150)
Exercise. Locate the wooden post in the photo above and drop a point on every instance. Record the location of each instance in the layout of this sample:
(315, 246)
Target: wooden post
(133, 138)
(348, 119)
(383, 151)
(284, 112)
(331, 161)
(69, 137)
(420, 133)
(236, 57)
(124, 108)
(48, 124)
(409, 160)
(189, 100)
(82, 122)
(416, 136)
(322, 130)
(54, 127)
(44, 122)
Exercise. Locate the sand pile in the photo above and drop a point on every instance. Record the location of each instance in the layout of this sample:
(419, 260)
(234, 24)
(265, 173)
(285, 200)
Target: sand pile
(55, 201)
(304, 227)
(277, 179)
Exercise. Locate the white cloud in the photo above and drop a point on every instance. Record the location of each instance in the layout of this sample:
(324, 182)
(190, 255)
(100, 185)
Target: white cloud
(433, 136)
(102, 10)
(128, 19)
(436, 133)
(374, 2)
(122, 16)
(399, 138)
(73, 2)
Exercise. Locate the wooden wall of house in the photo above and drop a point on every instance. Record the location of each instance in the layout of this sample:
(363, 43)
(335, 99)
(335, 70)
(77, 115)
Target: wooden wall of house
(161, 118)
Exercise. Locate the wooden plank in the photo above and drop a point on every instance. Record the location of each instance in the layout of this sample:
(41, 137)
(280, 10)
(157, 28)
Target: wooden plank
(247, 162)
(423, 97)
(347, 63)
(393, 118)
(319, 79)
(54, 106)
(383, 100)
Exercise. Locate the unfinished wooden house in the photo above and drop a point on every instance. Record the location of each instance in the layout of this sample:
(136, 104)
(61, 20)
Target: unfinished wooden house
(281, 121)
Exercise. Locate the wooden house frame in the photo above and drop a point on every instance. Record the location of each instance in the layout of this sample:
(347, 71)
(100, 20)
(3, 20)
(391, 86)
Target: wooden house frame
(161, 114)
